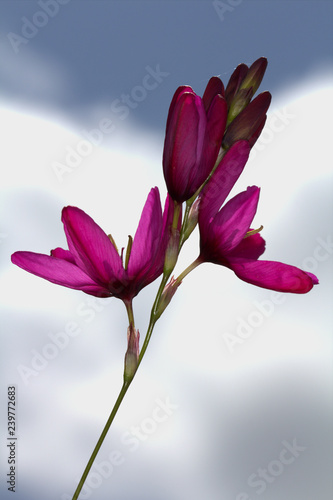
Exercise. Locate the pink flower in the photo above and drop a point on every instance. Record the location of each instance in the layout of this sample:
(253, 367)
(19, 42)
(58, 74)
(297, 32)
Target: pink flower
(92, 263)
(227, 239)
(194, 132)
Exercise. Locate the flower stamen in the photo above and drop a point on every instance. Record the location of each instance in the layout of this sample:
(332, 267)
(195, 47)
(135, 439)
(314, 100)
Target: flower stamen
(254, 231)
(128, 251)
(113, 242)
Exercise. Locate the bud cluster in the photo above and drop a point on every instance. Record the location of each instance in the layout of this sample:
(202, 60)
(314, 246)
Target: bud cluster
(197, 128)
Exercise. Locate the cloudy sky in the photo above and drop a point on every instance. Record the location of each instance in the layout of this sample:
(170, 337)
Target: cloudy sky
(237, 379)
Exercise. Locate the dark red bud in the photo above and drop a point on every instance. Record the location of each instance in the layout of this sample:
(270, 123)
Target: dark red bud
(255, 75)
(241, 100)
(235, 82)
(246, 125)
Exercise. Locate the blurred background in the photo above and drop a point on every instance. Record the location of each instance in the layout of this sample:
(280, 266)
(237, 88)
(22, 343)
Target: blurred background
(234, 398)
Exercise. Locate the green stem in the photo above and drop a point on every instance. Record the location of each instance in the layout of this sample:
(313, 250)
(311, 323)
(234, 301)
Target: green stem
(101, 439)
(129, 309)
(182, 232)
(126, 383)
(153, 318)
(190, 268)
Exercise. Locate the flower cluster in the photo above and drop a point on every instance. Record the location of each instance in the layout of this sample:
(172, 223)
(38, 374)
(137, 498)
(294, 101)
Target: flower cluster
(207, 144)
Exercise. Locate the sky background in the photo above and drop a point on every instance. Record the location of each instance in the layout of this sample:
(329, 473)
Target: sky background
(234, 374)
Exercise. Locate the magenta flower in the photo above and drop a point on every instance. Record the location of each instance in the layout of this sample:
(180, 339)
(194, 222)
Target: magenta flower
(92, 263)
(194, 132)
(227, 239)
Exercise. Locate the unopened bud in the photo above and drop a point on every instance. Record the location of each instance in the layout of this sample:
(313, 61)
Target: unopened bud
(245, 77)
(172, 251)
(240, 101)
(132, 353)
(249, 123)
(235, 82)
(214, 87)
(255, 75)
(192, 220)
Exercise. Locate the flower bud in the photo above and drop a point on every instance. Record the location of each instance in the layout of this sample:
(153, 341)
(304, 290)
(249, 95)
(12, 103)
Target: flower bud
(192, 220)
(255, 75)
(172, 251)
(249, 123)
(167, 294)
(245, 78)
(193, 137)
(132, 353)
(235, 82)
(240, 102)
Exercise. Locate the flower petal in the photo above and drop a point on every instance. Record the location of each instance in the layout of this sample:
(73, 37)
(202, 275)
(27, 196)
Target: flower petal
(181, 90)
(154, 268)
(222, 181)
(148, 235)
(250, 248)
(274, 276)
(216, 122)
(183, 146)
(233, 220)
(60, 253)
(58, 271)
(213, 88)
(90, 246)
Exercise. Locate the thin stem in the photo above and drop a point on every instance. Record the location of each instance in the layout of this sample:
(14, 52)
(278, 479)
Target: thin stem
(126, 383)
(182, 232)
(190, 268)
(129, 309)
(101, 439)
(176, 213)
(153, 318)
